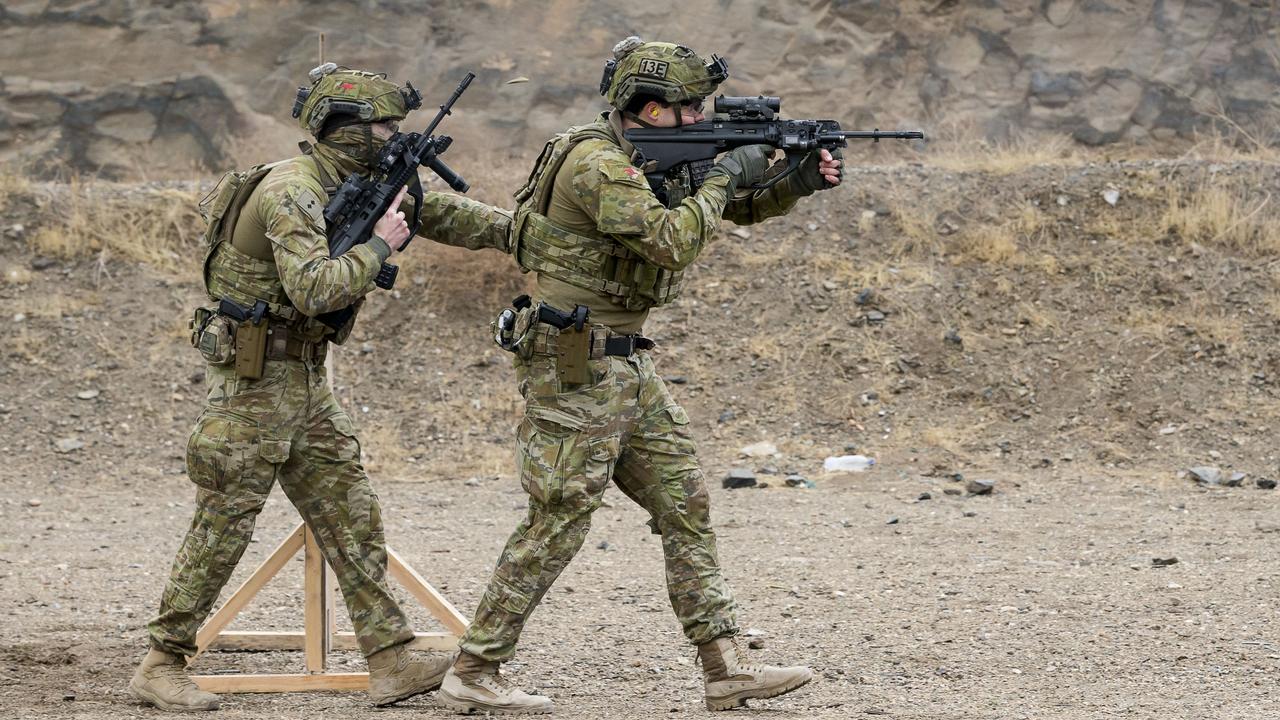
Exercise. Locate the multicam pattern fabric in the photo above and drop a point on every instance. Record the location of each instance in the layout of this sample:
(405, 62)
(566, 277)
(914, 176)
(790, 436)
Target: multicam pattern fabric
(285, 427)
(624, 428)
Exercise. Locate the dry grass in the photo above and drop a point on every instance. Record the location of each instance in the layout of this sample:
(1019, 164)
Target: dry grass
(1239, 216)
(961, 148)
(158, 226)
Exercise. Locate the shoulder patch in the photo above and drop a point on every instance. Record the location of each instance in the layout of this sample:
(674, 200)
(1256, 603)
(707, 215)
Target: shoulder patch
(620, 170)
(310, 204)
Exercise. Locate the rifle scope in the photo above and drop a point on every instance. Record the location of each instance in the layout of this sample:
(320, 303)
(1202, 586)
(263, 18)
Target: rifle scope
(763, 104)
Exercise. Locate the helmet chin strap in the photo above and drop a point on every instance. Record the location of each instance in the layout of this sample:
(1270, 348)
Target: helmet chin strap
(641, 121)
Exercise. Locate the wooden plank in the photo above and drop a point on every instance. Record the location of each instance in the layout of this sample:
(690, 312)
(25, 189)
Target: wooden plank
(246, 592)
(315, 615)
(431, 599)
(282, 683)
(234, 640)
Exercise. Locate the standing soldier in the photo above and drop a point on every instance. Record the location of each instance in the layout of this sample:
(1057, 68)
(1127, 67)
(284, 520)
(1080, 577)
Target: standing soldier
(606, 249)
(270, 415)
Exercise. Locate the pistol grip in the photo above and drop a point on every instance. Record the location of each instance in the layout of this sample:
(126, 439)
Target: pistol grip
(386, 278)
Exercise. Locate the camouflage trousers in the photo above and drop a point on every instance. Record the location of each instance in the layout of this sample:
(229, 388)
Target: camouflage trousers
(625, 428)
(286, 426)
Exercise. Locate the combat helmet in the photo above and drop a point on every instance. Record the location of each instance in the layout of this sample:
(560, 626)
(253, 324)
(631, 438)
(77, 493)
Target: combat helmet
(361, 96)
(672, 73)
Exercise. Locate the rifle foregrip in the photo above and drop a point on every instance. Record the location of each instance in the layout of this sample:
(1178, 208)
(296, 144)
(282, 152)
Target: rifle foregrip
(447, 174)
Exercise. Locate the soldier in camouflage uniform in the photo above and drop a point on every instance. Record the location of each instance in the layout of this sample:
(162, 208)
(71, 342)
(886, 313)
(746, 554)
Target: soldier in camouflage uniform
(266, 247)
(596, 410)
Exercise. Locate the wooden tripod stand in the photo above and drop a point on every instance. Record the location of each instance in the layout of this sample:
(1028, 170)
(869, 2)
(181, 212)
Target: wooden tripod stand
(319, 634)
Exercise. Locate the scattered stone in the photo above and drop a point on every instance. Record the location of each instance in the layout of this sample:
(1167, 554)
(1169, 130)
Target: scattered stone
(980, 486)
(764, 448)
(604, 545)
(739, 478)
(1267, 527)
(1168, 430)
(726, 416)
(677, 379)
(1206, 474)
(892, 521)
(755, 643)
(1266, 484)
(970, 513)
(1112, 196)
(953, 337)
(15, 230)
(865, 296)
(754, 632)
(769, 470)
(1235, 479)
(951, 491)
(88, 394)
(472, 482)
(35, 502)
(924, 496)
(829, 286)
(42, 263)
(742, 233)
(196, 377)
(874, 316)
(847, 463)
(19, 317)
(66, 445)
(366, 348)
(1164, 562)
(800, 481)
(1062, 200)
(68, 697)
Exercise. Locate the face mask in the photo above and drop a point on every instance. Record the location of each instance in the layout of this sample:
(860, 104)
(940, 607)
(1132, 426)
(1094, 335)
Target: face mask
(356, 142)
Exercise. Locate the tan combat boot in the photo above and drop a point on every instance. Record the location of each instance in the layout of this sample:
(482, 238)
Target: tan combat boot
(396, 674)
(162, 680)
(474, 685)
(732, 679)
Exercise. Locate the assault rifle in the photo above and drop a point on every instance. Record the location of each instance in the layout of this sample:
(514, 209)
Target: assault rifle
(360, 202)
(749, 121)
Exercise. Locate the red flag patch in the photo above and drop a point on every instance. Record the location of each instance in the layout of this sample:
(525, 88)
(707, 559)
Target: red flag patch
(631, 172)
(346, 86)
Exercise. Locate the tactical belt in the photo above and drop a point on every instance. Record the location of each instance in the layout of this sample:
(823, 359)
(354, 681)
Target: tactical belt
(281, 343)
(604, 342)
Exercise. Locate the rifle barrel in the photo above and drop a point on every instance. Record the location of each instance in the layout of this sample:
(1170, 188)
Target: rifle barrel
(447, 107)
(878, 134)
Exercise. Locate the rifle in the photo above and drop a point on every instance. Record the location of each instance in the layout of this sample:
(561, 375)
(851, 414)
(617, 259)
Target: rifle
(360, 202)
(749, 121)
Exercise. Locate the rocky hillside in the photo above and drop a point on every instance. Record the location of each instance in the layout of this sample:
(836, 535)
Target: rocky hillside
(146, 89)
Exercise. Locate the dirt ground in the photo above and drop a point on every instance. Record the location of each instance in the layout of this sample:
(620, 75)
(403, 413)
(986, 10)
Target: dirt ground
(1013, 326)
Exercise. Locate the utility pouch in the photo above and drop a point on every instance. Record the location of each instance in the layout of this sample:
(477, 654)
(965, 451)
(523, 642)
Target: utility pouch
(212, 335)
(573, 350)
(251, 349)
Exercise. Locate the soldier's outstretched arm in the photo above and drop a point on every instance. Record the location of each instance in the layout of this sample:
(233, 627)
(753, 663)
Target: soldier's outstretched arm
(315, 283)
(462, 222)
(748, 208)
(617, 195)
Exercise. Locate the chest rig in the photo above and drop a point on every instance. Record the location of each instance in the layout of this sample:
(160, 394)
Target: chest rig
(598, 263)
(241, 278)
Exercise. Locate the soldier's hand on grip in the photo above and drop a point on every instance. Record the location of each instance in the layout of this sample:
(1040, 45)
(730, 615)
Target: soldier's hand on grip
(743, 166)
(820, 170)
(391, 227)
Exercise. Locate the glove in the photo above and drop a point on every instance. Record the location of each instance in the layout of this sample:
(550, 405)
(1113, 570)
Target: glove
(808, 179)
(743, 166)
